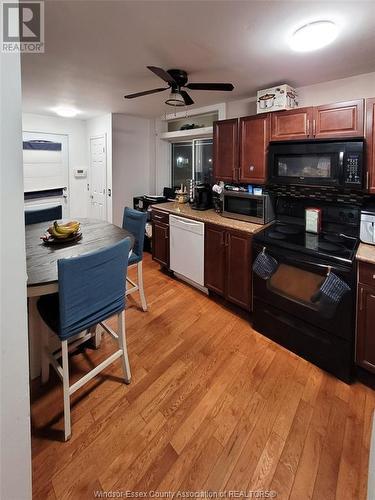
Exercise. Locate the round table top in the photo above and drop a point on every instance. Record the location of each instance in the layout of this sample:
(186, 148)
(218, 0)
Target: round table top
(41, 260)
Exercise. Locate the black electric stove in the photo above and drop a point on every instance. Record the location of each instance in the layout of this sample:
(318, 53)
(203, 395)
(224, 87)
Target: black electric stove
(333, 246)
(283, 308)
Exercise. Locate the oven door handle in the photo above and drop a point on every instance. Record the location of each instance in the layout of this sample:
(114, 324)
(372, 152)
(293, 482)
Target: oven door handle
(296, 260)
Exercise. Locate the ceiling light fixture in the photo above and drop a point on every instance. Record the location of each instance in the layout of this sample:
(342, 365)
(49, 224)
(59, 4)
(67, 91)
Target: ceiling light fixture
(66, 111)
(175, 99)
(313, 36)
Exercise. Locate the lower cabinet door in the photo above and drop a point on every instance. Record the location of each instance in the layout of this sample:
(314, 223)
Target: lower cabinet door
(365, 355)
(238, 269)
(214, 259)
(160, 243)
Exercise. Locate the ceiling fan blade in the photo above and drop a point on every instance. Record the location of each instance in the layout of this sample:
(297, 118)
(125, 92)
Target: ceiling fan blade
(162, 74)
(145, 92)
(188, 100)
(210, 86)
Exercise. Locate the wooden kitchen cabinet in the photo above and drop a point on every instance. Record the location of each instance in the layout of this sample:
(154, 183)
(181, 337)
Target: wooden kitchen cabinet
(214, 259)
(160, 238)
(291, 125)
(228, 264)
(225, 151)
(365, 352)
(330, 121)
(238, 269)
(254, 136)
(342, 119)
(370, 144)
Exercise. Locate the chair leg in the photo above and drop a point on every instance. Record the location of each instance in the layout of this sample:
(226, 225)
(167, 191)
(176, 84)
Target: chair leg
(140, 285)
(123, 346)
(45, 358)
(65, 367)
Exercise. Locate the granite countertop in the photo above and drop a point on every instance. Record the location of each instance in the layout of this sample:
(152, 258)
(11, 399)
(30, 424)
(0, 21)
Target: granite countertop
(366, 253)
(210, 216)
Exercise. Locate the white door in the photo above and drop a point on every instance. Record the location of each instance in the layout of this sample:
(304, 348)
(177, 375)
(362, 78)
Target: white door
(98, 178)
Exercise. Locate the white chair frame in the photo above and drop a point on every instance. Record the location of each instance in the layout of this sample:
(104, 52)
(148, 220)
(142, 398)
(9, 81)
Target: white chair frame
(137, 286)
(50, 358)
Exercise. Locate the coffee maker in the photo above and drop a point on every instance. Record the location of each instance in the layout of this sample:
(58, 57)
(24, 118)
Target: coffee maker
(202, 199)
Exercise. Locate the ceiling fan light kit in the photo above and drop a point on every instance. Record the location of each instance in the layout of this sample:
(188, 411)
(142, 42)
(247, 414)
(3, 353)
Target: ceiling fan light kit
(175, 99)
(177, 80)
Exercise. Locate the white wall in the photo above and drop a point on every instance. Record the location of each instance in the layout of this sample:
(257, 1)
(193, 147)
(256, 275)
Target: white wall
(345, 89)
(15, 468)
(78, 155)
(102, 125)
(132, 157)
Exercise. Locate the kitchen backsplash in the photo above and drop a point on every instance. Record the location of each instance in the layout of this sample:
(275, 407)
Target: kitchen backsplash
(322, 194)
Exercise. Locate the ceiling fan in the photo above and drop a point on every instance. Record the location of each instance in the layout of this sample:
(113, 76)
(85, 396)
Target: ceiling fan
(177, 80)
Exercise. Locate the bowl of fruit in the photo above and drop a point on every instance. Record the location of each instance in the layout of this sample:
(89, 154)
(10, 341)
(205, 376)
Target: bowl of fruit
(58, 234)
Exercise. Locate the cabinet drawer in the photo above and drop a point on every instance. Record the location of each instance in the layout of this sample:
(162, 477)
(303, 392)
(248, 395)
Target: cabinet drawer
(367, 274)
(158, 216)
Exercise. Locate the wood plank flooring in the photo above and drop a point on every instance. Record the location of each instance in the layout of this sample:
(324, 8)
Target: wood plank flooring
(212, 406)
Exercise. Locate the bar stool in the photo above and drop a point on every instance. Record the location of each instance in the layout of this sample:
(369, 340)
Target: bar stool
(135, 222)
(91, 289)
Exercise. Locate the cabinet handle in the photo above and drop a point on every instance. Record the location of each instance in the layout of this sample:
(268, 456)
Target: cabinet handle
(251, 168)
(361, 300)
(226, 239)
(308, 127)
(314, 128)
(157, 216)
(367, 180)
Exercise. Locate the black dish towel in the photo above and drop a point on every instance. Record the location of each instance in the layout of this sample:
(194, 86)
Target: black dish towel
(265, 265)
(330, 294)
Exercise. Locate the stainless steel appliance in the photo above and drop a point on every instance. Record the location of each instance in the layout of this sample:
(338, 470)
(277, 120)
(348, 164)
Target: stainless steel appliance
(248, 207)
(317, 163)
(367, 231)
(202, 197)
(284, 306)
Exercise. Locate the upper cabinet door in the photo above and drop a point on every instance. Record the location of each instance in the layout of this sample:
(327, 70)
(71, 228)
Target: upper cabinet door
(341, 119)
(225, 135)
(370, 143)
(290, 125)
(254, 139)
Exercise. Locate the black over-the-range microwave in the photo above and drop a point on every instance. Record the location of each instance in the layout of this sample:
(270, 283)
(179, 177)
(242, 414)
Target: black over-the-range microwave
(317, 163)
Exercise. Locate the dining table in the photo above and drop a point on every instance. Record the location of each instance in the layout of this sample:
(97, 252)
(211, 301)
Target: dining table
(41, 267)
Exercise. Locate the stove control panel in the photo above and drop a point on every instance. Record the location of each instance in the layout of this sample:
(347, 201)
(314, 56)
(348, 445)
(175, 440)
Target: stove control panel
(353, 169)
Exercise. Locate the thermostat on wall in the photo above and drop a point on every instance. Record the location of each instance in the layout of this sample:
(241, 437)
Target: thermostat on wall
(80, 172)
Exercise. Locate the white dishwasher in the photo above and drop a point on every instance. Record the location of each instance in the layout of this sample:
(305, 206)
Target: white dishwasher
(187, 249)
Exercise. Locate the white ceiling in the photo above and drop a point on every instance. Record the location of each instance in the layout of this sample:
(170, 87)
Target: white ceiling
(97, 50)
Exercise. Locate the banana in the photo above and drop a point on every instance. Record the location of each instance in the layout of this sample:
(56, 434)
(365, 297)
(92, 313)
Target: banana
(52, 231)
(66, 229)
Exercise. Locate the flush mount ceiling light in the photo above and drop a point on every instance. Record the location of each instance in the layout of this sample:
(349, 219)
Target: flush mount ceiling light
(313, 36)
(66, 111)
(175, 99)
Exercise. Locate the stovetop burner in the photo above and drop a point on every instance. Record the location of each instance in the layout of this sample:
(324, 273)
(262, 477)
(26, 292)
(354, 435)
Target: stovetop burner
(288, 229)
(331, 247)
(275, 235)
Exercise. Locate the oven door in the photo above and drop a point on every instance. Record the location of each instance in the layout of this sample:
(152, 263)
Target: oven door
(244, 206)
(311, 164)
(295, 282)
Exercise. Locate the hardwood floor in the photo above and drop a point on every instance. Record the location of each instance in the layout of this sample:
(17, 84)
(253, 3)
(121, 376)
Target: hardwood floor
(212, 406)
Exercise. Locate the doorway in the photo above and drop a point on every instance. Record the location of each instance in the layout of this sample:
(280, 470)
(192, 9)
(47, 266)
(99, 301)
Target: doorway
(98, 178)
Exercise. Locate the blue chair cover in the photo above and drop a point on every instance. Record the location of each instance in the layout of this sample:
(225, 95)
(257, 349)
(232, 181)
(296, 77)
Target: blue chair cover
(91, 289)
(134, 221)
(35, 215)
